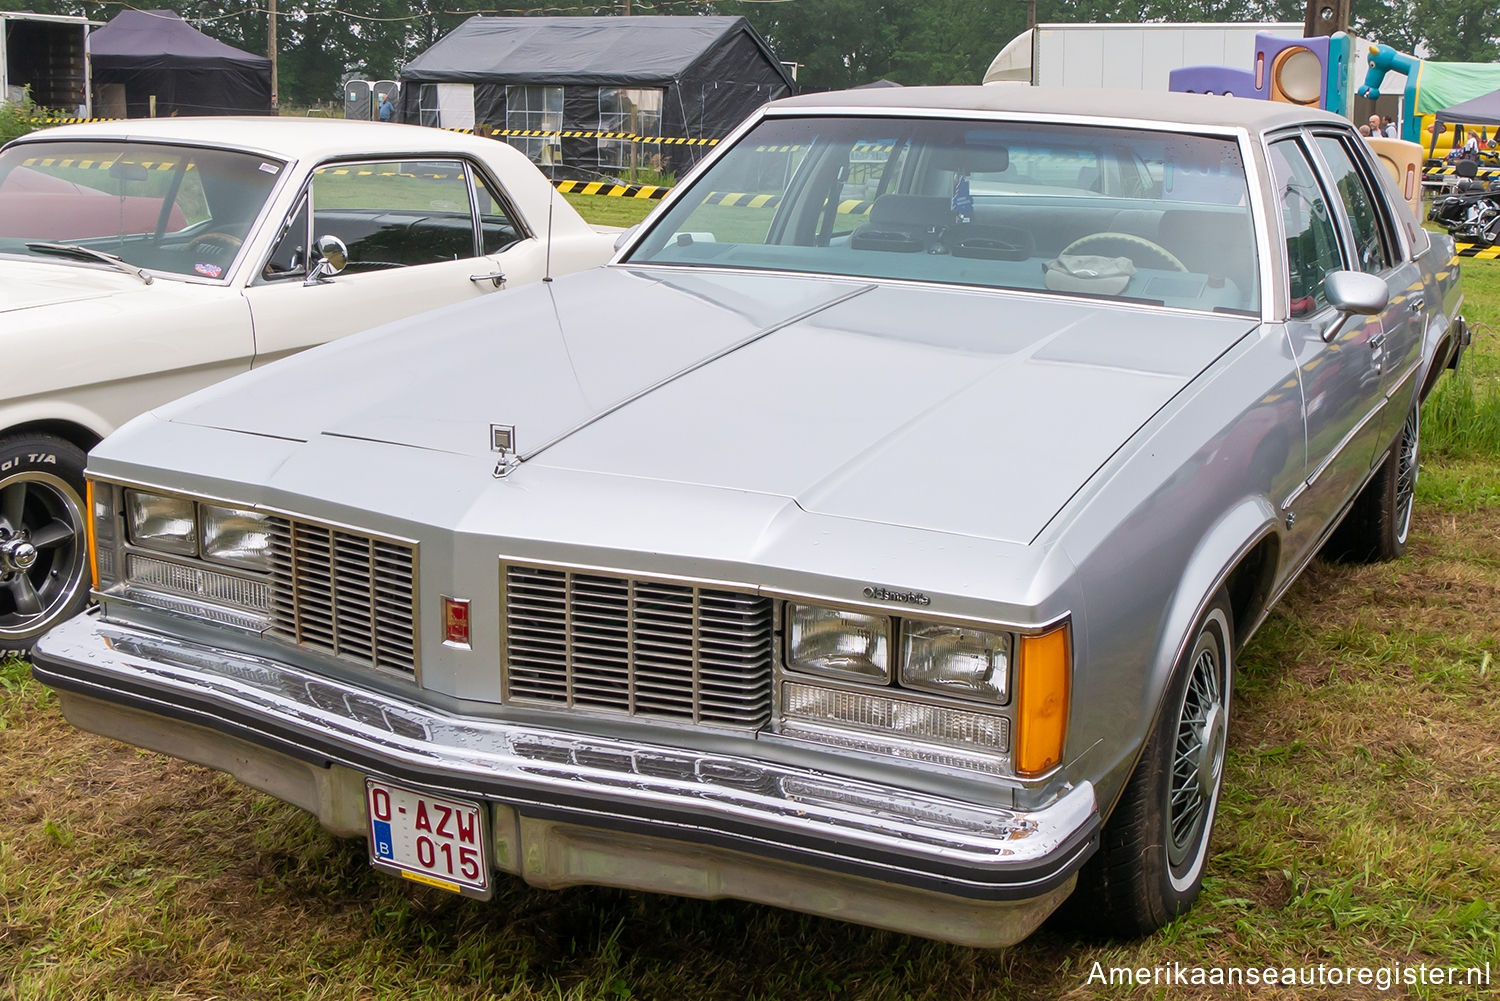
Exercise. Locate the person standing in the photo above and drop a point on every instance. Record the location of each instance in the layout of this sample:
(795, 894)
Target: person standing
(387, 109)
(1390, 128)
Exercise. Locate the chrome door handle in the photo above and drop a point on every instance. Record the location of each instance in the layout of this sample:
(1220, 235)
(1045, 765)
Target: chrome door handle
(497, 277)
(1417, 302)
(1377, 342)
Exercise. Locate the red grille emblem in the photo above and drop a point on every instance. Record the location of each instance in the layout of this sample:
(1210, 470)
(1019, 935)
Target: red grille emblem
(456, 620)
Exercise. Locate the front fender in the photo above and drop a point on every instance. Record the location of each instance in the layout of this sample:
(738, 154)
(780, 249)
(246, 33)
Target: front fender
(37, 410)
(1238, 531)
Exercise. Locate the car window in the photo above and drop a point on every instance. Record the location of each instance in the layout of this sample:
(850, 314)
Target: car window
(289, 255)
(1070, 209)
(497, 229)
(173, 209)
(1312, 247)
(395, 214)
(1371, 242)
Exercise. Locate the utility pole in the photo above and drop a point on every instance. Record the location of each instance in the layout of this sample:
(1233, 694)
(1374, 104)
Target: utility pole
(271, 51)
(1324, 17)
(1031, 13)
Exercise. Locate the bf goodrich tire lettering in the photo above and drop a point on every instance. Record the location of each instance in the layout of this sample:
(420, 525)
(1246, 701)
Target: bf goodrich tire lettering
(43, 560)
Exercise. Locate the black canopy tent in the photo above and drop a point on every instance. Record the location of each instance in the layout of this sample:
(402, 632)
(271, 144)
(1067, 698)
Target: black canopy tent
(681, 77)
(154, 53)
(1482, 110)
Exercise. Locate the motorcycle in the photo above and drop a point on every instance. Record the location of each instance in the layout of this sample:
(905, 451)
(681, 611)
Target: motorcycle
(1471, 214)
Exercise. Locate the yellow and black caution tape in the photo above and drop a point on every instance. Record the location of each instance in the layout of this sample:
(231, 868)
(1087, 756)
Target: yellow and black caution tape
(587, 134)
(41, 122)
(1482, 172)
(85, 163)
(611, 189)
(1475, 252)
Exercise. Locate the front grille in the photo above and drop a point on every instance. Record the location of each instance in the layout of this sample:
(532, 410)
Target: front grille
(344, 593)
(635, 646)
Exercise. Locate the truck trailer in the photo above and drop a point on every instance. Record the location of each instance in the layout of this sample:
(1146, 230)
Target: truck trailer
(1127, 56)
(46, 56)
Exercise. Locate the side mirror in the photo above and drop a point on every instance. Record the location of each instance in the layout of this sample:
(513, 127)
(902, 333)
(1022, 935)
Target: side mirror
(333, 258)
(624, 237)
(1356, 292)
(1353, 293)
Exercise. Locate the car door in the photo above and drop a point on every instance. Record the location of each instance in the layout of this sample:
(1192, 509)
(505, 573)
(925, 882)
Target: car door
(1339, 358)
(418, 234)
(1375, 239)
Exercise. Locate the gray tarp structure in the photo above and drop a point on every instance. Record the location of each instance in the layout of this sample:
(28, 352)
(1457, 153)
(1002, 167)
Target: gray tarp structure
(1482, 110)
(155, 52)
(709, 74)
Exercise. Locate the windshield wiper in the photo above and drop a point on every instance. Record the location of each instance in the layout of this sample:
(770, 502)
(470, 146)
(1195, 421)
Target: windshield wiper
(90, 254)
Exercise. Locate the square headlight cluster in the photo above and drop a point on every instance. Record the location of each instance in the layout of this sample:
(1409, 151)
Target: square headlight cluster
(961, 660)
(236, 537)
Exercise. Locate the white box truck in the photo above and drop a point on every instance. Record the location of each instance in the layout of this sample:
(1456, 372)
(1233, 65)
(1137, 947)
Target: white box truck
(1126, 56)
(47, 55)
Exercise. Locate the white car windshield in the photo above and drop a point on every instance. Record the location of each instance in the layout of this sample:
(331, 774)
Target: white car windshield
(172, 209)
(1082, 210)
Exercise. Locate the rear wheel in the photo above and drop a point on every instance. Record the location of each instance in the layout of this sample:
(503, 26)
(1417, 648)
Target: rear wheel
(1379, 522)
(43, 560)
(1153, 851)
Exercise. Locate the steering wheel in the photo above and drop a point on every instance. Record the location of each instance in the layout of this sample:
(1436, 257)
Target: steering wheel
(1130, 242)
(216, 243)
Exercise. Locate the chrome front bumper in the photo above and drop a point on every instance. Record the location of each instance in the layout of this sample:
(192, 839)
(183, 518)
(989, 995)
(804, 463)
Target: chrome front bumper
(570, 809)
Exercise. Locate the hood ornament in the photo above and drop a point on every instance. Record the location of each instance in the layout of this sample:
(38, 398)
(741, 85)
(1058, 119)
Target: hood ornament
(503, 440)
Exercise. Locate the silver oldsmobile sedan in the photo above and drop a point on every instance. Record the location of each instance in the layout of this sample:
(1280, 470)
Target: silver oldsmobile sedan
(873, 537)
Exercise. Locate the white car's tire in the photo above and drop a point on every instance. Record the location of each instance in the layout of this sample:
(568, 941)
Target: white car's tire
(44, 576)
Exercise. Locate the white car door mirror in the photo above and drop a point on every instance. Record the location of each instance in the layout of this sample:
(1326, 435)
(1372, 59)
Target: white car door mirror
(624, 237)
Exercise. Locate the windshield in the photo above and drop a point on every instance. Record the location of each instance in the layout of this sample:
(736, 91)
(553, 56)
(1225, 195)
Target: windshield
(1070, 209)
(170, 209)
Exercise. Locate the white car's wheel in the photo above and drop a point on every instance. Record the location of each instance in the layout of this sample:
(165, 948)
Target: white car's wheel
(43, 559)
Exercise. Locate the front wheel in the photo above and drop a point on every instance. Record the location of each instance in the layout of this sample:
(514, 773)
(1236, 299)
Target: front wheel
(43, 558)
(1153, 851)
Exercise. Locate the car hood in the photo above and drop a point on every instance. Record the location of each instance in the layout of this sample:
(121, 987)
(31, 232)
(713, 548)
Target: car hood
(965, 411)
(26, 284)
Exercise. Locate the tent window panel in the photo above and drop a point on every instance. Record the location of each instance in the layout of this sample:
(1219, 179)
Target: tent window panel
(535, 108)
(633, 110)
(395, 213)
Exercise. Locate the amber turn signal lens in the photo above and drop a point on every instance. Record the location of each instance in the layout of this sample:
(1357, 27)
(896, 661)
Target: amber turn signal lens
(89, 534)
(1042, 680)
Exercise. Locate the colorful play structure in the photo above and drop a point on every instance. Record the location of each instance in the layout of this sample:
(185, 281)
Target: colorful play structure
(1430, 87)
(1321, 71)
(1313, 72)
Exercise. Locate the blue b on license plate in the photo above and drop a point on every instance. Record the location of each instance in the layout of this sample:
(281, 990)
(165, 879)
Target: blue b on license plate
(430, 839)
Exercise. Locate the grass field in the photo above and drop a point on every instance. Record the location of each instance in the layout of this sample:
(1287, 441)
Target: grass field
(1360, 827)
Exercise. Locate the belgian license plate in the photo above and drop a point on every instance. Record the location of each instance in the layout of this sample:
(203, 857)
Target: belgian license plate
(428, 839)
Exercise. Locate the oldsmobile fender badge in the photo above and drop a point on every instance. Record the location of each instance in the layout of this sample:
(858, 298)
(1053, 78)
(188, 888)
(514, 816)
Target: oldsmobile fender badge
(904, 597)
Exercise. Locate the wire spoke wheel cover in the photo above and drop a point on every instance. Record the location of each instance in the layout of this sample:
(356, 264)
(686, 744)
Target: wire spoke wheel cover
(1198, 757)
(1407, 468)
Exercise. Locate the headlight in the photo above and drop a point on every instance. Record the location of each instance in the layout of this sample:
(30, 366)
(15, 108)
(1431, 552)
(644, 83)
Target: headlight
(956, 660)
(835, 641)
(235, 536)
(162, 523)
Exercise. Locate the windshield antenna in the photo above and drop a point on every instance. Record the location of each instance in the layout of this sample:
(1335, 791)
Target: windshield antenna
(551, 198)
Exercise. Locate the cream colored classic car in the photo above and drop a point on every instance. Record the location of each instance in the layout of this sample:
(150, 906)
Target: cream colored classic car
(140, 261)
